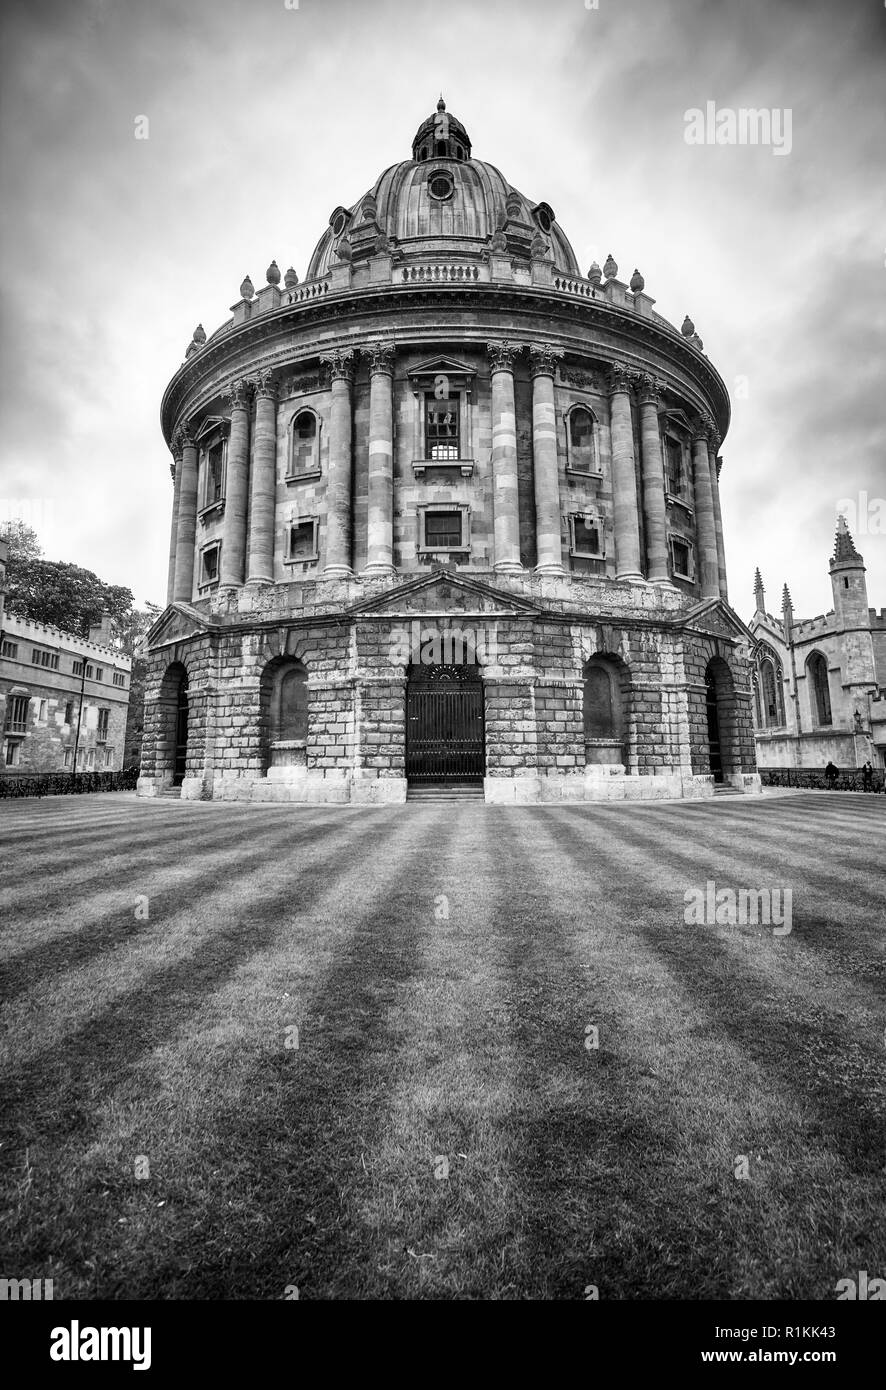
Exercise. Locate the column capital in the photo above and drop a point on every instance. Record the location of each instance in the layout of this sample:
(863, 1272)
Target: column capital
(381, 358)
(503, 354)
(265, 385)
(543, 359)
(340, 363)
(618, 378)
(182, 439)
(650, 389)
(702, 428)
(238, 393)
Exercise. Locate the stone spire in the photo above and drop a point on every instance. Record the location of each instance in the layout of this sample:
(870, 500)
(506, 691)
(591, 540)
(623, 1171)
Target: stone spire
(787, 612)
(844, 546)
(759, 591)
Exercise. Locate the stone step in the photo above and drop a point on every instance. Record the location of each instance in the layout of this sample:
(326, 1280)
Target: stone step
(727, 791)
(464, 791)
(171, 791)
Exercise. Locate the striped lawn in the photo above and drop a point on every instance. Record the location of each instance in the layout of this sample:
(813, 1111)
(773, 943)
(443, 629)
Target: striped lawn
(442, 1129)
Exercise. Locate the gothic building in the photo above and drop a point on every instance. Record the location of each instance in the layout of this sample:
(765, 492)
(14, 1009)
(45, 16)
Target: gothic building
(820, 683)
(446, 512)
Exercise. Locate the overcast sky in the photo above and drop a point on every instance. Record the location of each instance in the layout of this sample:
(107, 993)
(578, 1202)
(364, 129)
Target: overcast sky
(262, 118)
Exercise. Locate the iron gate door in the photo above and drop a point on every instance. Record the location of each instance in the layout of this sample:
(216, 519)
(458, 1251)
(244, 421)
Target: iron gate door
(444, 724)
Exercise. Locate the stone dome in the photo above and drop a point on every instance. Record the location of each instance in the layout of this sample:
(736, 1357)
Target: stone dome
(443, 203)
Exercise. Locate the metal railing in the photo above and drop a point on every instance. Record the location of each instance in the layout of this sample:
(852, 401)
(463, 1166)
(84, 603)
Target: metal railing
(67, 783)
(848, 779)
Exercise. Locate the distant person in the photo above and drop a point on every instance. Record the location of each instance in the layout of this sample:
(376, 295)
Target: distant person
(831, 774)
(867, 777)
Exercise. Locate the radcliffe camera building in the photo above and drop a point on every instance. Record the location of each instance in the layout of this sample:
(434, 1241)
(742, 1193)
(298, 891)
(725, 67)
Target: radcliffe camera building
(447, 512)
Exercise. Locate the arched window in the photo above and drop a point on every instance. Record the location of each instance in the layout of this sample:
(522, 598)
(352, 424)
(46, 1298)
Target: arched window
(819, 689)
(603, 710)
(304, 444)
(580, 441)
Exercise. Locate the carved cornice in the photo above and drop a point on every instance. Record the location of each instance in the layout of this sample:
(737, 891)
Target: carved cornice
(239, 393)
(381, 358)
(340, 363)
(502, 355)
(543, 359)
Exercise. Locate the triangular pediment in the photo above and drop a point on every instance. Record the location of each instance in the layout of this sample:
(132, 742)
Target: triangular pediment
(444, 592)
(715, 616)
(175, 623)
(443, 366)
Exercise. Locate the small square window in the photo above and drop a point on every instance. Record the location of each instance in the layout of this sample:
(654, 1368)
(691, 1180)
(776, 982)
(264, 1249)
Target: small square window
(99, 673)
(90, 673)
(681, 559)
(10, 649)
(587, 537)
(301, 541)
(209, 564)
(119, 678)
(12, 753)
(443, 530)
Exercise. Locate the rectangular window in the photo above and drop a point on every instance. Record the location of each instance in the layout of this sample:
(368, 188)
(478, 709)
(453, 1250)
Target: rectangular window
(44, 706)
(674, 466)
(17, 714)
(10, 649)
(102, 728)
(78, 668)
(99, 673)
(119, 678)
(443, 530)
(587, 537)
(109, 757)
(214, 476)
(81, 757)
(302, 541)
(682, 559)
(12, 753)
(44, 658)
(69, 756)
(90, 760)
(209, 565)
(89, 673)
(442, 427)
(69, 712)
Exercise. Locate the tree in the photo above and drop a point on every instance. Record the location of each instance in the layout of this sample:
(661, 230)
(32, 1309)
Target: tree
(23, 541)
(59, 594)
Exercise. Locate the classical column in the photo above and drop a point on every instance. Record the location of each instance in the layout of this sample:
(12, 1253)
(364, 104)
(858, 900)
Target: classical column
(713, 447)
(624, 477)
(264, 483)
(705, 526)
(176, 469)
(186, 530)
(233, 555)
(338, 478)
(549, 552)
(655, 516)
(380, 549)
(505, 504)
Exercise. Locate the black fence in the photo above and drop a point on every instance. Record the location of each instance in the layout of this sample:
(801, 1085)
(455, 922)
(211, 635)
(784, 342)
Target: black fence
(68, 783)
(848, 779)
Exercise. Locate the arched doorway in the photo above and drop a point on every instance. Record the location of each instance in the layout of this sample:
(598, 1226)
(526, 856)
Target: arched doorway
(721, 718)
(444, 724)
(180, 762)
(715, 751)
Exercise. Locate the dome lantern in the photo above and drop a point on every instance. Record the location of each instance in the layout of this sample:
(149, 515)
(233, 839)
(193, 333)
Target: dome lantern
(441, 136)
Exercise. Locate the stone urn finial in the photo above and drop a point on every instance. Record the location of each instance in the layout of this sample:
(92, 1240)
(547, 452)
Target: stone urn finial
(290, 279)
(272, 274)
(538, 248)
(247, 289)
(610, 269)
(199, 335)
(344, 251)
(637, 282)
(595, 274)
(687, 328)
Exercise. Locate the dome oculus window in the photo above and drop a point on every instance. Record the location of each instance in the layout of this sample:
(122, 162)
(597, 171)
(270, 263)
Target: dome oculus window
(441, 185)
(544, 216)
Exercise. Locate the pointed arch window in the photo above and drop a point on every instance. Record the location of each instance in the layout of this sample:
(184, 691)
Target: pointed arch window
(819, 690)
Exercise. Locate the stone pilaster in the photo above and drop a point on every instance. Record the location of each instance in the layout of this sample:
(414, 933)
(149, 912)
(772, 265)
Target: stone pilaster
(713, 446)
(504, 458)
(233, 556)
(380, 548)
(654, 513)
(339, 476)
(264, 483)
(549, 553)
(624, 478)
(173, 535)
(186, 530)
(705, 526)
